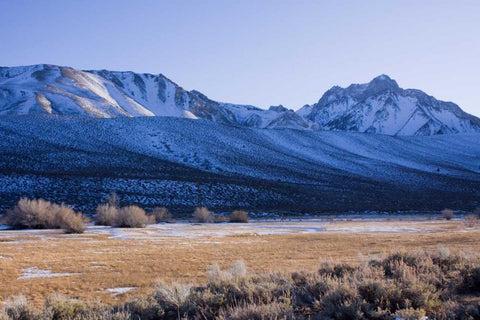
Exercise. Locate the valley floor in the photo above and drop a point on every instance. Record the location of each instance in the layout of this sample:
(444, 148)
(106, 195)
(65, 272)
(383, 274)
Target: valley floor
(113, 265)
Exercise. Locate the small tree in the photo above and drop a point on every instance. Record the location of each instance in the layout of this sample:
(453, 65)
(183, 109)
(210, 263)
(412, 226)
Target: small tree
(447, 214)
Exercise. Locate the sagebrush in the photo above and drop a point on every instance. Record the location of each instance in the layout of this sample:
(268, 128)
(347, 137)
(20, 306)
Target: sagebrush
(402, 285)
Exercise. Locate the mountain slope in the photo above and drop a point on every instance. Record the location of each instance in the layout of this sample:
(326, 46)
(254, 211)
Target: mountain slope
(183, 163)
(381, 106)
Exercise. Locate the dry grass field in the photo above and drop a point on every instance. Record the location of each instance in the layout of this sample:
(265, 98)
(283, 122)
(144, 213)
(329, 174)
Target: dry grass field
(41, 262)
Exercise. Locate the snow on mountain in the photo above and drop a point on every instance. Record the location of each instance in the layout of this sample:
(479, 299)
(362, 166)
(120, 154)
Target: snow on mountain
(380, 106)
(58, 90)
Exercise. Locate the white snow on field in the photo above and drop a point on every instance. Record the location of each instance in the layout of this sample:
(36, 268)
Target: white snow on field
(186, 230)
(120, 290)
(34, 272)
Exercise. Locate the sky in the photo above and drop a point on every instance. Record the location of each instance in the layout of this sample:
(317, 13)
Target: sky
(257, 52)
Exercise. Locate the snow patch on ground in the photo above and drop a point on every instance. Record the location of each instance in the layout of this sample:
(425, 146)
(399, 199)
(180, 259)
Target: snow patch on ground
(34, 272)
(120, 290)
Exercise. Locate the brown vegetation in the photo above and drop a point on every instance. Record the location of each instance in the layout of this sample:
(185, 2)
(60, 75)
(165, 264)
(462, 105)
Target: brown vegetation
(131, 217)
(106, 215)
(109, 214)
(203, 215)
(447, 214)
(407, 285)
(99, 259)
(239, 216)
(41, 214)
(161, 214)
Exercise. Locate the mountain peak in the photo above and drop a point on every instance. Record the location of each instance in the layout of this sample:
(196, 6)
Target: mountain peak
(382, 83)
(382, 77)
(279, 108)
(381, 106)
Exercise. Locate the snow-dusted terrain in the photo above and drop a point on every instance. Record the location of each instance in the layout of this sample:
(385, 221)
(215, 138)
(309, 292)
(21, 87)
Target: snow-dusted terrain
(75, 136)
(379, 106)
(49, 89)
(182, 163)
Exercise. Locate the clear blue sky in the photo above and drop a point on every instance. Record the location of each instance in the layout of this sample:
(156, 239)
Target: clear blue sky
(257, 52)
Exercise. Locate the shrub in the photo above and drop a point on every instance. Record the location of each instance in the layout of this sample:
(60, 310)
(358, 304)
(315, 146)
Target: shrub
(30, 214)
(203, 215)
(41, 214)
(161, 214)
(145, 308)
(239, 216)
(106, 215)
(402, 285)
(70, 221)
(60, 308)
(447, 214)
(410, 314)
(19, 308)
(470, 280)
(256, 311)
(237, 271)
(131, 217)
(126, 217)
(173, 296)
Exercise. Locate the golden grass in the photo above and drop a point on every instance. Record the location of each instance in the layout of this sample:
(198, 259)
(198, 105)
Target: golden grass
(107, 262)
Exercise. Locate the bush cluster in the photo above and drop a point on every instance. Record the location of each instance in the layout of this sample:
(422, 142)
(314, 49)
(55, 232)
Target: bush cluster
(400, 286)
(41, 214)
(124, 217)
(203, 215)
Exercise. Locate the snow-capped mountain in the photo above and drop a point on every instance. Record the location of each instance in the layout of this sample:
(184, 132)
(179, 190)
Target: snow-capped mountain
(380, 106)
(50, 89)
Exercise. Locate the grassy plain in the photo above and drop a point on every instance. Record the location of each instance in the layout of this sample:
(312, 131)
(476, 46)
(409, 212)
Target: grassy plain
(106, 258)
